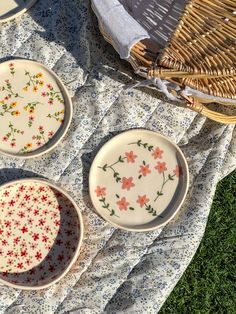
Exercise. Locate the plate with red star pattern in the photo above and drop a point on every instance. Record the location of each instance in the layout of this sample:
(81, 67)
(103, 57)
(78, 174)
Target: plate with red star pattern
(138, 180)
(11, 9)
(41, 232)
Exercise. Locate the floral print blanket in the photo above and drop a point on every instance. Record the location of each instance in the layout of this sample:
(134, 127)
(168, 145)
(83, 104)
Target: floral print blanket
(117, 271)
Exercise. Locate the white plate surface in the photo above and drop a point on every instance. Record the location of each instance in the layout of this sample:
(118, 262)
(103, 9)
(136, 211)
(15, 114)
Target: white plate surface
(35, 109)
(138, 180)
(10, 9)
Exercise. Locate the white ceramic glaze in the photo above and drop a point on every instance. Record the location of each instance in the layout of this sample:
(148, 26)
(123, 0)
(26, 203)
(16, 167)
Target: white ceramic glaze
(35, 109)
(10, 9)
(138, 180)
(41, 230)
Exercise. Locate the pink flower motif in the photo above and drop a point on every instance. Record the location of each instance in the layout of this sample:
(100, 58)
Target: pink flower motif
(21, 188)
(9, 233)
(21, 214)
(49, 86)
(50, 102)
(11, 65)
(13, 144)
(178, 171)
(127, 183)
(44, 94)
(6, 193)
(20, 265)
(122, 203)
(31, 118)
(161, 167)
(41, 128)
(130, 157)
(27, 197)
(16, 240)
(5, 139)
(44, 198)
(157, 153)
(24, 253)
(42, 222)
(36, 212)
(11, 203)
(7, 223)
(38, 143)
(144, 170)
(45, 238)
(35, 236)
(38, 255)
(50, 134)
(24, 229)
(100, 191)
(142, 200)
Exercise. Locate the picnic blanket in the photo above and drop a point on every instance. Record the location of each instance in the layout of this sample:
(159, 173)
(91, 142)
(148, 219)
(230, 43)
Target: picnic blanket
(117, 271)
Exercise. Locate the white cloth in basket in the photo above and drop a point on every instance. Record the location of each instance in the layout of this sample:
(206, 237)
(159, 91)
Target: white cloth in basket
(129, 21)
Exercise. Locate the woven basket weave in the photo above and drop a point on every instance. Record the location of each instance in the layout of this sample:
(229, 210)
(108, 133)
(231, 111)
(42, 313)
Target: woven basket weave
(200, 54)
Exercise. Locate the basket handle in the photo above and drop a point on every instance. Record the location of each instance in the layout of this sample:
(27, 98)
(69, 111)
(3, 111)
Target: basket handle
(197, 106)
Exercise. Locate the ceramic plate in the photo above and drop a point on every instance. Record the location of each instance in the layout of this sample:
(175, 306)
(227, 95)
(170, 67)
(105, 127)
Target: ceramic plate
(41, 232)
(35, 109)
(10, 9)
(138, 180)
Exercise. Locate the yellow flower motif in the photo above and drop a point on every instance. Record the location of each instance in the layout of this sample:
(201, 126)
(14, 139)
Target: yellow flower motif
(15, 113)
(29, 145)
(62, 111)
(25, 107)
(35, 89)
(39, 75)
(2, 102)
(13, 104)
(61, 120)
(41, 83)
(25, 88)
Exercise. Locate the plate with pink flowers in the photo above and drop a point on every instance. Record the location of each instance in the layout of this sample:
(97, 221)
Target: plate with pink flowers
(35, 109)
(138, 180)
(41, 232)
(10, 9)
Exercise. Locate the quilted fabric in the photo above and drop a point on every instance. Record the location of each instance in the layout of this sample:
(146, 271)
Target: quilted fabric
(117, 271)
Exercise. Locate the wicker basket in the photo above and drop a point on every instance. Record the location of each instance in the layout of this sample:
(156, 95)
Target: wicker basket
(200, 55)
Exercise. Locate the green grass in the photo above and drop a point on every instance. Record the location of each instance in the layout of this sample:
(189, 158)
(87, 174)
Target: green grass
(209, 283)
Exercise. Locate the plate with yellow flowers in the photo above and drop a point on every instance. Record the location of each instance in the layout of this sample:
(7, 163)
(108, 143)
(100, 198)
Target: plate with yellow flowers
(138, 180)
(10, 9)
(35, 109)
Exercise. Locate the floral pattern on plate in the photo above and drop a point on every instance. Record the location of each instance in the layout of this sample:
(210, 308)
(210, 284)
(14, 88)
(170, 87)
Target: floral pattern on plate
(135, 179)
(30, 101)
(39, 229)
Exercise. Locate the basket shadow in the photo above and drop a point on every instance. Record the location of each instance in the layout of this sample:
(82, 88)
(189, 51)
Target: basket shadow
(159, 18)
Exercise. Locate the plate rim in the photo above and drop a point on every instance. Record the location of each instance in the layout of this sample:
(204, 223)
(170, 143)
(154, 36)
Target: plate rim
(19, 13)
(68, 101)
(80, 217)
(92, 198)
